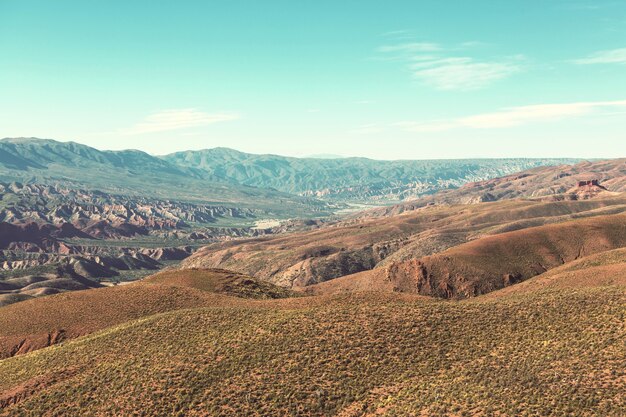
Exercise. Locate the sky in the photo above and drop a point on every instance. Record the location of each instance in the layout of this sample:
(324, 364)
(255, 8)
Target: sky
(388, 79)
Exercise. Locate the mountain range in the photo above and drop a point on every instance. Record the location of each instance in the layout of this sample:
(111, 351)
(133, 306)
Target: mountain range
(223, 175)
(350, 179)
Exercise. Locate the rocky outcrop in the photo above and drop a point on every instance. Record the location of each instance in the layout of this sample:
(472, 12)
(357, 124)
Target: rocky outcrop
(41, 236)
(103, 215)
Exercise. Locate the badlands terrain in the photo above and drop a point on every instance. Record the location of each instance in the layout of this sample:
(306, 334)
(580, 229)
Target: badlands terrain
(74, 217)
(499, 296)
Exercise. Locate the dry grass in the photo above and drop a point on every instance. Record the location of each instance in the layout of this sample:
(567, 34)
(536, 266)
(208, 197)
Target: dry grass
(548, 353)
(211, 343)
(33, 324)
(220, 281)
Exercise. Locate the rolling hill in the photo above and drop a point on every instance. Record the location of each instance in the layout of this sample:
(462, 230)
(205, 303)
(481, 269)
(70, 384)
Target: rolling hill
(494, 262)
(36, 323)
(548, 353)
(215, 342)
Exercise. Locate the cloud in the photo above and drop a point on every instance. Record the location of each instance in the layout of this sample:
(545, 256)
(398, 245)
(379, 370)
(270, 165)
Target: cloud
(461, 73)
(410, 47)
(447, 69)
(613, 56)
(515, 116)
(176, 119)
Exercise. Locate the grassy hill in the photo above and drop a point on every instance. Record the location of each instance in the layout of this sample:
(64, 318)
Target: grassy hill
(547, 353)
(37, 323)
(214, 342)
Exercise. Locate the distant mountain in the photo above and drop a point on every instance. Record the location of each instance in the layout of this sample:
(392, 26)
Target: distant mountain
(325, 156)
(350, 179)
(132, 172)
(569, 182)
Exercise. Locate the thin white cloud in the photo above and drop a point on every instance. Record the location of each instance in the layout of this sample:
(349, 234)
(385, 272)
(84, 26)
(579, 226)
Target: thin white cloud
(446, 69)
(176, 119)
(461, 73)
(516, 116)
(613, 56)
(410, 47)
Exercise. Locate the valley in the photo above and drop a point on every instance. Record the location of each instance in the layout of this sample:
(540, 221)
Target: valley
(481, 299)
(74, 217)
(312, 208)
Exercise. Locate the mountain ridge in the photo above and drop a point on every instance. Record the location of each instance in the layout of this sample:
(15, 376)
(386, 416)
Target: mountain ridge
(351, 178)
(228, 175)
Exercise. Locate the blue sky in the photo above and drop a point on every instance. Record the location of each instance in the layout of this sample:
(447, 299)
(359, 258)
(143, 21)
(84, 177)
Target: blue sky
(386, 80)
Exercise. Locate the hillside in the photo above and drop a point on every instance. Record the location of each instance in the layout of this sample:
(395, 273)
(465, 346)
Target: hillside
(301, 259)
(494, 262)
(369, 354)
(601, 269)
(547, 339)
(349, 179)
(36, 323)
(565, 182)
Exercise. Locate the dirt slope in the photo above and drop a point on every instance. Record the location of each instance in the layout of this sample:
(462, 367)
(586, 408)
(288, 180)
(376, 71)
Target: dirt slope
(490, 263)
(301, 259)
(602, 269)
